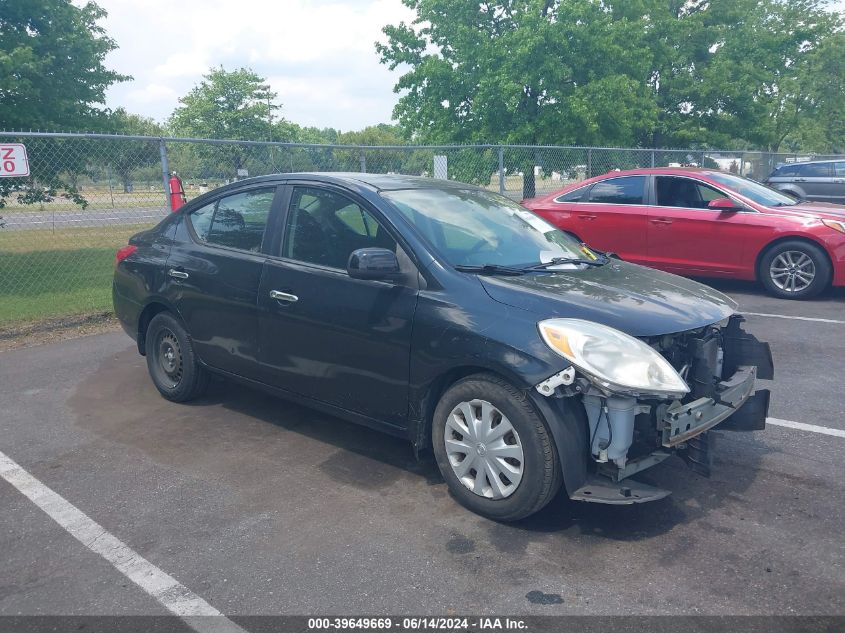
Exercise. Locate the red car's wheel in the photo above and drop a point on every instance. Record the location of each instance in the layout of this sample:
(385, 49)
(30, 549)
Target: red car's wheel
(795, 269)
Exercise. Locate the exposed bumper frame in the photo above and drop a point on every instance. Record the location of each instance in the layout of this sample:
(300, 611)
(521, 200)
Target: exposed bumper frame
(683, 422)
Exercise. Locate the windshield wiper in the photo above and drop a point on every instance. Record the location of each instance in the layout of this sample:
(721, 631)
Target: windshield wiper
(556, 261)
(490, 269)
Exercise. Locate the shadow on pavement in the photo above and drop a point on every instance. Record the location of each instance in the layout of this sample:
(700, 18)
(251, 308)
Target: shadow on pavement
(249, 438)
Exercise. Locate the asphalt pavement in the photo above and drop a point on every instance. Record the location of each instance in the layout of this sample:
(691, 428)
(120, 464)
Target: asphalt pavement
(259, 506)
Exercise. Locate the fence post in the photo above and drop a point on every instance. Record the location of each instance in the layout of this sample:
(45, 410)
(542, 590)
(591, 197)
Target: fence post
(589, 163)
(653, 164)
(501, 171)
(362, 159)
(111, 191)
(165, 171)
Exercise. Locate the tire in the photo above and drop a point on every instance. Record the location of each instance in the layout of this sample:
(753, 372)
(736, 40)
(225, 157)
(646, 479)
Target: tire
(528, 483)
(795, 269)
(171, 360)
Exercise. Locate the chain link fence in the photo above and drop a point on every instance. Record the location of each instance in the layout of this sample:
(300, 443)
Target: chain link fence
(88, 193)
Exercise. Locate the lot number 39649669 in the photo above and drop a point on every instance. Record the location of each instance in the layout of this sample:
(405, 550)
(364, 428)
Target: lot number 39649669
(14, 162)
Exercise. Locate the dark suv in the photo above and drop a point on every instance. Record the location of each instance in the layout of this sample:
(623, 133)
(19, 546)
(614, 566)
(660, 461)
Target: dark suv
(448, 315)
(818, 180)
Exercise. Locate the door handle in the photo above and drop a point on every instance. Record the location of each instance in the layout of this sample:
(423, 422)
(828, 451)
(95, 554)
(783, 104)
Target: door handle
(660, 221)
(178, 274)
(587, 216)
(283, 296)
(800, 180)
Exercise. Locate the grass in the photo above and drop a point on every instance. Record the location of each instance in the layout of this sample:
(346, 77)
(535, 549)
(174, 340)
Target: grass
(46, 274)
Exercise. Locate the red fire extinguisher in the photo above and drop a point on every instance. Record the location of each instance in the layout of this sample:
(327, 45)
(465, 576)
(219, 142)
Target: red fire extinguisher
(177, 193)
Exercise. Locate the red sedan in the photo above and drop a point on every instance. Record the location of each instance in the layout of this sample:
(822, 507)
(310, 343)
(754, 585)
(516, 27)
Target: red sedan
(708, 223)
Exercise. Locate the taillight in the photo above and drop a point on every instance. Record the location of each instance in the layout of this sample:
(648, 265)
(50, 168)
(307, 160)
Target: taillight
(123, 253)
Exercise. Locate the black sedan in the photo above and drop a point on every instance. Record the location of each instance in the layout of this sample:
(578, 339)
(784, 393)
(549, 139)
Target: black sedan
(448, 315)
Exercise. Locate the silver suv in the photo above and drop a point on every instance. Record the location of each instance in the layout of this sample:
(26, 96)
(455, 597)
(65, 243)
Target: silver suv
(819, 181)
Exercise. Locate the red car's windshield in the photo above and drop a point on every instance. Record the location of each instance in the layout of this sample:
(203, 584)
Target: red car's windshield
(761, 194)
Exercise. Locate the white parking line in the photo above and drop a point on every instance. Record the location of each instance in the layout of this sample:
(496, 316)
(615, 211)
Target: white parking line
(169, 592)
(794, 318)
(825, 430)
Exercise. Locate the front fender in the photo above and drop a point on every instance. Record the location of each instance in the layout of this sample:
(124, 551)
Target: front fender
(567, 420)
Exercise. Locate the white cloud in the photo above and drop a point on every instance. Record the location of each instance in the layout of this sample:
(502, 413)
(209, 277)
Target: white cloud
(151, 93)
(318, 55)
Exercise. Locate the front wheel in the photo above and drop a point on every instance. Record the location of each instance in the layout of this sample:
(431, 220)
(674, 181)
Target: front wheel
(795, 269)
(171, 361)
(493, 449)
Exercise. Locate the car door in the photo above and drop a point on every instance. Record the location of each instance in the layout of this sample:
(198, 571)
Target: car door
(816, 179)
(324, 335)
(612, 217)
(214, 270)
(685, 236)
(836, 192)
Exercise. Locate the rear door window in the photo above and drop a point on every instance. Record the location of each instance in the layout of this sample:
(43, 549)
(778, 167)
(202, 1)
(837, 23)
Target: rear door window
(814, 170)
(624, 190)
(236, 221)
(839, 168)
(787, 170)
(201, 220)
(572, 196)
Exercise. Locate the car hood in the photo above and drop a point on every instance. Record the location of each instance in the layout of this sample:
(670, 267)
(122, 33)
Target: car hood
(636, 300)
(813, 210)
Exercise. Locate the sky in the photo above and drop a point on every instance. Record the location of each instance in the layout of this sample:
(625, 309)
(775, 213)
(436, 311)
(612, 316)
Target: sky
(318, 55)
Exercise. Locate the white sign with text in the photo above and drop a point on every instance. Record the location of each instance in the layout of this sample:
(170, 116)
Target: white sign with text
(14, 162)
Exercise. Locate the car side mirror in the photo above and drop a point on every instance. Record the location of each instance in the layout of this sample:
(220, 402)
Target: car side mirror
(723, 204)
(373, 263)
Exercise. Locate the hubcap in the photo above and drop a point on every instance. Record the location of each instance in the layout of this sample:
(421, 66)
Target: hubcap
(170, 356)
(484, 449)
(792, 271)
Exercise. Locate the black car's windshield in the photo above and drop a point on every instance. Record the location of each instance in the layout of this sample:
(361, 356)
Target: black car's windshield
(474, 228)
(761, 194)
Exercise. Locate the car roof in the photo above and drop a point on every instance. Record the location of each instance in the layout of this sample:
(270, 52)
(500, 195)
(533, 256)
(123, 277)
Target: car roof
(812, 162)
(645, 171)
(378, 182)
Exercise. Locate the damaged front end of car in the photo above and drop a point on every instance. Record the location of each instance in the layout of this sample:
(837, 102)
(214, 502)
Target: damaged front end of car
(648, 398)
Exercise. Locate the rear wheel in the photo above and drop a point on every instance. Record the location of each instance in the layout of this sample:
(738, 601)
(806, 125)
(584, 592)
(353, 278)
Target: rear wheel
(171, 361)
(493, 449)
(795, 269)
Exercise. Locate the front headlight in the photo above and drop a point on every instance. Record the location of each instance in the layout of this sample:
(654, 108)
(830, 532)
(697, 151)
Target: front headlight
(836, 225)
(612, 359)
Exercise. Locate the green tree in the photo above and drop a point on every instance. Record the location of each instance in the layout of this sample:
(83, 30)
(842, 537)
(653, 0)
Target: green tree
(516, 72)
(52, 77)
(762, 79)
(237, 105)
(381, 160)
(125, 156)
(823, 127)
(52, 72)
(658, 73)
